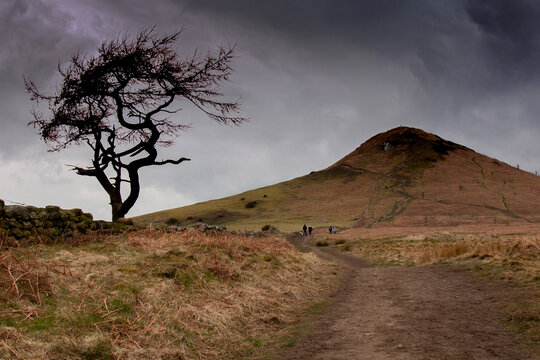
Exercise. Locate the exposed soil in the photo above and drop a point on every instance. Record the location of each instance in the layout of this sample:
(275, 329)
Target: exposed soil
(429, 312)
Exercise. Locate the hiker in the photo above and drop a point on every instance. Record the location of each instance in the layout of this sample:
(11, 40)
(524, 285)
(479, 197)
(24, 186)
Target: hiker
(334, 230)
(310, 230)
(330, 229)
(305, 229)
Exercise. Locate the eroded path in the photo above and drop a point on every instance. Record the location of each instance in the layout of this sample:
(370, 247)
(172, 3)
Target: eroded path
(430, 312)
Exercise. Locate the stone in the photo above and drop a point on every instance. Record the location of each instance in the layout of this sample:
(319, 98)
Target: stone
(16, 233)
(32, 209)
(75, 212)
(54, 216)
(52, 209)
(103, 225)
(88, 216)
(64, 215)
(11, 223)
(43, 215)
(124, 221)
(84, 226)
(18, 212)
(176, 228)
(55, 232)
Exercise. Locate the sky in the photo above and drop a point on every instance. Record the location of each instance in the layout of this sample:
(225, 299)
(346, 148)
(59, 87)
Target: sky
(316, 78)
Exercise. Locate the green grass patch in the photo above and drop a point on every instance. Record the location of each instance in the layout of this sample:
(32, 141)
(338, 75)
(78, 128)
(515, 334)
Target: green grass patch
(121, 307)
(254, 342)
(526, 321)
(44, 323)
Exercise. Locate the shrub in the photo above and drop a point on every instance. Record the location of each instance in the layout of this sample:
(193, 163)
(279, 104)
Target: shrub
(172, 221)
(269, 228)
(322, 243)
(251, 204)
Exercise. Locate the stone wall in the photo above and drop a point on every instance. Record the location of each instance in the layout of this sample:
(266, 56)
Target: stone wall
(21, 222)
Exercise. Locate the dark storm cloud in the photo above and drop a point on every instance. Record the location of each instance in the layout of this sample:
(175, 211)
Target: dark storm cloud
(317, 78)
(493, 35)
(464, 69)
(34, 35)
(510, 36)
(321, 28)
(511, 23)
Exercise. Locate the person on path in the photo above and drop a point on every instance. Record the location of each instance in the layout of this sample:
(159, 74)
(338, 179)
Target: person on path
(330, 229)
(310, 230)
(305, 229)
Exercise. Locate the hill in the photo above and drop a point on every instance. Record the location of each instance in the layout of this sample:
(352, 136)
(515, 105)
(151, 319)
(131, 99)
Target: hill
(402, 177)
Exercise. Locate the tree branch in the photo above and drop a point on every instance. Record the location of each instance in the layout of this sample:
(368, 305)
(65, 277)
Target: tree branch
(83, 171)
(174, 162)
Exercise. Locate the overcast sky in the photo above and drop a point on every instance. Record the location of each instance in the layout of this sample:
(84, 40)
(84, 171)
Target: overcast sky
(316, 78)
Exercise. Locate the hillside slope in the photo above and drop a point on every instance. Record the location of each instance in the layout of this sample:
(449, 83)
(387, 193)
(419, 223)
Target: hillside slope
(403, 177)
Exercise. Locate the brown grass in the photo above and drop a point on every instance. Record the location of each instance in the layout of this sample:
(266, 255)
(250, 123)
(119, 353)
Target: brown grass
(155, 295)
(502, 255)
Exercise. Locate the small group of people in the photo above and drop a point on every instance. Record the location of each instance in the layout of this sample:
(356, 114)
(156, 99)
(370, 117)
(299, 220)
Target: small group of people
(307, 230)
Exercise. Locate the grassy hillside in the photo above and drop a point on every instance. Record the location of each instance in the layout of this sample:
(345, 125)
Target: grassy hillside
(403, 177)
(286, 205)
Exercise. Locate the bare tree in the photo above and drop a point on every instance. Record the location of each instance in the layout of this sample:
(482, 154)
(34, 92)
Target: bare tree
(121, 103)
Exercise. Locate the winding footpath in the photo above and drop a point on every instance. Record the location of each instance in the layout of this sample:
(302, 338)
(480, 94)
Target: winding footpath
(402, 313)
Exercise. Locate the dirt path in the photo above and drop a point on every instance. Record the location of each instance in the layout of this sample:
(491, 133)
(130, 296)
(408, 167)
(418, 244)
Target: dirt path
(430, 312)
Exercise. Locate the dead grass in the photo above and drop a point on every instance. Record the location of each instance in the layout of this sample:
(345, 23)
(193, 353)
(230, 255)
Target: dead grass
(498, 257)
(509, 256)
(154, 295)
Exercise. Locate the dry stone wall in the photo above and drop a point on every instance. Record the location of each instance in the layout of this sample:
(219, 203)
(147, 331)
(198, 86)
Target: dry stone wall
(19, 222)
